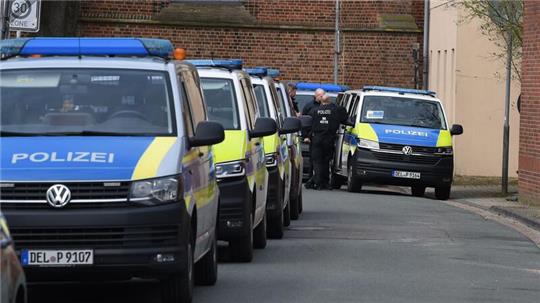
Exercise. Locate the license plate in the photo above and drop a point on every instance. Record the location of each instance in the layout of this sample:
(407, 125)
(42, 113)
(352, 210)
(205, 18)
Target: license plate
(57, 257)
(405, 174)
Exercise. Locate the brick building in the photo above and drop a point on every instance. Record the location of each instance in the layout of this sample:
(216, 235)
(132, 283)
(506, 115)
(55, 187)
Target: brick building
(296, 36)
(529, 146)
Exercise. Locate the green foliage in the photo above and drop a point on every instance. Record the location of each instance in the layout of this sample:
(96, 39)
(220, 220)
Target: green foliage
(501, 21)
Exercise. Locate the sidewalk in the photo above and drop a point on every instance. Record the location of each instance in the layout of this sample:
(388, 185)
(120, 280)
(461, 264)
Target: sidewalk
(488, 197)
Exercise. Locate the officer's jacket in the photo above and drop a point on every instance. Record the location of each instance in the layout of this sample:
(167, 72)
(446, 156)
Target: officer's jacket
(327, 118)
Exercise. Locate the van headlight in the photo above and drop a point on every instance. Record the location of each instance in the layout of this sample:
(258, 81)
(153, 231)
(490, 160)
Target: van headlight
(271, 160)
(231, 169)
(156, 191)
(368, 144)
(445, 151)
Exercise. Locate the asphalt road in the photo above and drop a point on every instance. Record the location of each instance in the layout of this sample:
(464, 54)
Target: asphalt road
(367, 247)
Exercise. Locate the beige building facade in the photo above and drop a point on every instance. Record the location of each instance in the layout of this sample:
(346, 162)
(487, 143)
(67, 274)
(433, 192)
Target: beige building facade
(470, 81)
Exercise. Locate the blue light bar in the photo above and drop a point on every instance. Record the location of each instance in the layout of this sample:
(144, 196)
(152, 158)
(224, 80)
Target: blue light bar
(400, 90)
(225, 63)
(274, 73)
(257, 71)
(329, 87)
(86, 47)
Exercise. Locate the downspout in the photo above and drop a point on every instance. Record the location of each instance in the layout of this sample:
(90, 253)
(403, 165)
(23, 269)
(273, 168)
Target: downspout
(425, 74)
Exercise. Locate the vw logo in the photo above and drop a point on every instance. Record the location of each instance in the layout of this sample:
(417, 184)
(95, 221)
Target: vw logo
(407, 150)
(58, 195)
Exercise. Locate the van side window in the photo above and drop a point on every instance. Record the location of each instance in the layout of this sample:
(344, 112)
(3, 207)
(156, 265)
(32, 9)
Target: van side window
(354, 106)
(186, 108)
(191, 85)
(248, 102)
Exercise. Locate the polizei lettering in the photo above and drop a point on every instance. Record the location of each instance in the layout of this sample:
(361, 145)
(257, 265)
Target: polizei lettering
(40, 157)
(406, 132)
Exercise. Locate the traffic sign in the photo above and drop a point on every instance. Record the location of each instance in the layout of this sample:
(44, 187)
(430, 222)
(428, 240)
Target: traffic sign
(24, 15)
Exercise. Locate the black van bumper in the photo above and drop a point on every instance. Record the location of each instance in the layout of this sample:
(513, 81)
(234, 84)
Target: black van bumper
(132, 241)
(376, 167)
(234, 205)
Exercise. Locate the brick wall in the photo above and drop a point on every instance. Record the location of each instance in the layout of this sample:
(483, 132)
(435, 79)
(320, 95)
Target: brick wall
(293, 35)
(529, 146)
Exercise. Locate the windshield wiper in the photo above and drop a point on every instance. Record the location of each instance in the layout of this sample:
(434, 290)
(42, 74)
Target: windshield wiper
(7, 133)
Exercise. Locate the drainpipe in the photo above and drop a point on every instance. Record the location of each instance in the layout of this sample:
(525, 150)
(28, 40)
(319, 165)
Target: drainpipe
(337, 48)
(425, 74)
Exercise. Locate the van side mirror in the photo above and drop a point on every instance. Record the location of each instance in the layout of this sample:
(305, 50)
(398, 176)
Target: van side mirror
(350, 121)
(207, 133)
(456, 129)
(290, 125)
(263, 127)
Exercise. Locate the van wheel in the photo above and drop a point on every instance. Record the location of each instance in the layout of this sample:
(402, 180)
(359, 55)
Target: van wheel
(442, 193)
(259, 234)
(335, 183)
(242, 249)
(287, 215)
(300, 202)
(295, 206)
(353, 185)
(206, 270)
(275, 226)
(418, 191)
(179, 287)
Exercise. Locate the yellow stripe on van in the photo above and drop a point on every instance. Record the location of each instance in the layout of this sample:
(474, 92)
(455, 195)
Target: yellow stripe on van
(149, 162)
(445, 139)
(365, 131)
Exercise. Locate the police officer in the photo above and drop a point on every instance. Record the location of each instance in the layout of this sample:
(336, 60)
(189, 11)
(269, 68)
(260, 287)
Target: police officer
(326, 121)
(306, 111)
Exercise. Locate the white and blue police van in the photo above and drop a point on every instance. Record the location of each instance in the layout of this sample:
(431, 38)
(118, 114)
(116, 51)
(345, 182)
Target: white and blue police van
(107, 170)
(397, 136)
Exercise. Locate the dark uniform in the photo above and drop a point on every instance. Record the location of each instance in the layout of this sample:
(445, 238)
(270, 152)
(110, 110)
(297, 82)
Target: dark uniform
(326, 121)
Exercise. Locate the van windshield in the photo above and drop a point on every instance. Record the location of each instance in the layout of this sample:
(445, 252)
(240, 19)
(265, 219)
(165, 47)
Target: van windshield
(262, 102)
(220, 98)
(403, 111)
(85, 102)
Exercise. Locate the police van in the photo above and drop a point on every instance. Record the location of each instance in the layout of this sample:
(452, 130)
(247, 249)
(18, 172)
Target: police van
(293, 141)
(107, 170)
(240, 159)
(400, 137)
(276, 149)
(305, 92)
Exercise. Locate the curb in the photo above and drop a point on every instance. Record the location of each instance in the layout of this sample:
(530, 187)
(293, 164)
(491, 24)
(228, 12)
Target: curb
(523, 219)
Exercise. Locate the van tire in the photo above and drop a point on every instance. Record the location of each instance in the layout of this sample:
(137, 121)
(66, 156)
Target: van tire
(335, 182)
(300, 202)
(295, 206)
(259, 235)
(418, 191)
(179, 287)
(442, 193)
(206, 270)
(242, 248)
(353, 185)
(287, 215)
(275, 226)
